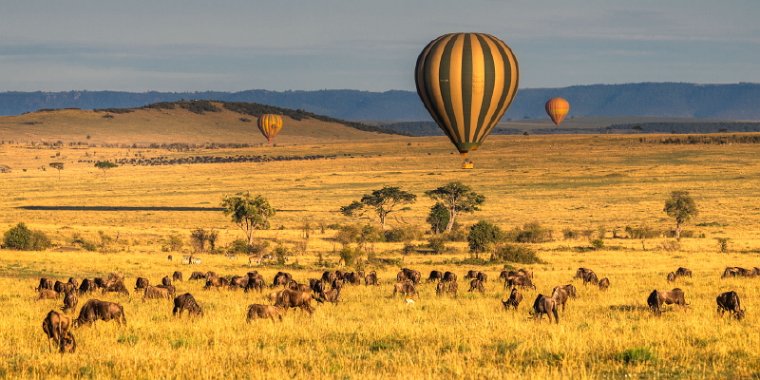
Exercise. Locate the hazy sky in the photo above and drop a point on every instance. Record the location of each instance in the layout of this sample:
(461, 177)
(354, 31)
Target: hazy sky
(188, 45)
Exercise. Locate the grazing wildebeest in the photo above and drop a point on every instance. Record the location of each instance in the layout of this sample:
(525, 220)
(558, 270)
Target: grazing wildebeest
(352, 278)
(186, 302)
(435, 275)
(560, 296)
(683, 272)
(729, 301)
(197, 276)
(239, 282)
(590, 278)
(70, 301)
(87, 286)
(255, 281)
(281, 279)
(213, 282)
(449, 277)
(582, 272)
(671, 277)
(604, 283)
(405, 288)
(74, 283)
(170, 257)
(57, 327)
(732, 272)
(503, 275)
(96, 309)
(154, 292)
(543, 305)
(289, 298)
(328, 277)
(521, 281)
(99, 283)
(570, 289)
(413, 275)
(117, 287)
(471, 274)
(514, 299)
(47, 294)
(177, 276)
(476, 284)
(62, 287)
(444, 287)
(258, 311)
(141, 283)
(332, 295)
(482, 277)
(526, 273)
(166, 281)
(657, 298)
(44, 284)
(371, 279)
(316, 285)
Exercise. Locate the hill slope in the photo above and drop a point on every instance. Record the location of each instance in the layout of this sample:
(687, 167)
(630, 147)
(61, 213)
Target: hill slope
(187, 122)
(682, 100)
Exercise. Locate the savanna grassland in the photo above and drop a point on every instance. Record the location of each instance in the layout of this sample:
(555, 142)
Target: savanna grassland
(576, 182)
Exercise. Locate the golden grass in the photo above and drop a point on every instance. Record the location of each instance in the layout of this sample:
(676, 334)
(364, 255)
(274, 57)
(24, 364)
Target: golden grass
(562, 181)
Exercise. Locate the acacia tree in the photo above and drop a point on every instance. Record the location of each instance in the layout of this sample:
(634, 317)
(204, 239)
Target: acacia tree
(681, 207)
(105, 166)
(57, 166)
(456, 197)
(383, 202)
(248, 212)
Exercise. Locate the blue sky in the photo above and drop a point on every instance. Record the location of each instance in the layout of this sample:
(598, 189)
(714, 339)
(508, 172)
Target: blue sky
(188, 45)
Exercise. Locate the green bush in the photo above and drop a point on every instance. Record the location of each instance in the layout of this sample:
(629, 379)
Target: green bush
(597, 243)
(514, 253)
(643, 232)
(438, 218)
(398, 234)
(22, 238)
(173, 243)
(530, 233)
(569, 234)
(483, 237)
(437, 245)
(636, 355)
(349, 255)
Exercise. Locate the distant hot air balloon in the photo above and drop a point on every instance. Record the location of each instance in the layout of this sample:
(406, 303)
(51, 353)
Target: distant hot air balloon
(270, 125)
(466, 81)
(557, 108)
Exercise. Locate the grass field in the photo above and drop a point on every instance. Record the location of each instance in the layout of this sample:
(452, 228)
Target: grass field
(579, 182)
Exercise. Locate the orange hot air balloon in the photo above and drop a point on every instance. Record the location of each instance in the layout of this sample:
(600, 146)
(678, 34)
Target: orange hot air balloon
(557, 108)
(270, 125)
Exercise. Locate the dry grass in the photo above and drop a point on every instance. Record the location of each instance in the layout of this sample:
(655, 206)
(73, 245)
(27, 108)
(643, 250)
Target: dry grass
(562, 181)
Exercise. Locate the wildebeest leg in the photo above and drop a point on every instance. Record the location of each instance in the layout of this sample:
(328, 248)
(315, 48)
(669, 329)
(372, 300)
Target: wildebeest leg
(556, 315)
(721, 311)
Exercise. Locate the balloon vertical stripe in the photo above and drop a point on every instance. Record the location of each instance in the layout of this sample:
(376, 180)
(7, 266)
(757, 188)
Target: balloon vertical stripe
(270, 125)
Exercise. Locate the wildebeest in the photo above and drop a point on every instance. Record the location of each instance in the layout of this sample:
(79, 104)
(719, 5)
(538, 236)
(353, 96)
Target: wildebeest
(186, 302)
(544, 305)
(352, 278)
(476, 284)
(371, 279)
(471, 274)
(47, 294)
(526, 273)
(449, 277)
(683, 272)
(405, 288)
(412, 275)
(87, 286)
(117, 287)
(258, 311)
(255, 281)
(154, 292)
(482, 277)
(329, 276)
(560, 296)
(294, 285)
(44, 284)
(332, 295)
(435, 275)
(197, 276)
(738, 272)
(316, 285)
(729, 301)
(444, 287)
(141, 283)
(166, 281)
(57, 327)
(657, 298)
(94, 310)
(177, 276)
(570, 289)
(238, 282)
(73, 281)
(70, 301)
(281, 279)
(214, 282)
(582, 272)
(514, 299)
(671, 277)
(289, 298)
(62, 287)
(590, 278)
(604, 283)
(170, 288)
(99, 283)
(521, 281)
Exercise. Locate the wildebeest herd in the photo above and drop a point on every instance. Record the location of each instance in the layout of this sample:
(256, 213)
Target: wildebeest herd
(287, 293)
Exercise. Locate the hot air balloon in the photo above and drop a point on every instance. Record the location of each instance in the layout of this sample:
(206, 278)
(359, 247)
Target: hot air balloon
(466, 81)
(557, 108)
(270, 125)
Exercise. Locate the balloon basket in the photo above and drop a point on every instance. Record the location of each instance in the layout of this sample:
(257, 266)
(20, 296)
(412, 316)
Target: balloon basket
(468, 165)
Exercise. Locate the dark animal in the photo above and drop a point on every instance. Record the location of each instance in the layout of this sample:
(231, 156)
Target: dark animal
(289, 298)
(543, 305)
(476, 284)
(683, 272)
(560, 296)
(352, 278)
(729, 302)
(238, 282)
(316, 285)
(582, 272)
(63, 287)
(328, 277)
(412, 275)
(671, 277)
(74, 283)
(444, 287)
(503, 275)
(332, 295)
(47, 294)
(94, 310)
(526, 273)
(154, 292)
(141, 283)
(177, 276)
(44, 284)
(57, 327)
(214, 282)
(482, 277)
(87, 286)
(186, 302)
(197, 276)
(604, 283)
(99, 283)
(435, 275)
(255, 282)
(282, 279)
(570, 289)
(371, 279)
(70, 301)
(449, 277)
(520, 281)
(117, 287)
(657, 298)
(590, 278)
(166, 281)
(471, 274)
(514, 299)
(405, 288)
(258, 311)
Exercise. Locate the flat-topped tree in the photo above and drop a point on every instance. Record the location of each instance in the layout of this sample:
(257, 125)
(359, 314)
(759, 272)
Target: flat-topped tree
(456, 197)
(105, 166)
(681, 207)
(248, 212)
(383, 202)
(57, 166)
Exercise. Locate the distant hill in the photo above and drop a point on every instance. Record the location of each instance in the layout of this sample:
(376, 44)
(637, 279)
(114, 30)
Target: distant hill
(670, 100)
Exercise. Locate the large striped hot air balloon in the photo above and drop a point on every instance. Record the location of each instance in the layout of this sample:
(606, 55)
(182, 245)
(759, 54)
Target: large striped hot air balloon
(270, 125)
(557, 108)
(467, 81)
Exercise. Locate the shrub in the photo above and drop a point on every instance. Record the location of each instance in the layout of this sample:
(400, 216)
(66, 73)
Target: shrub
(173, 243)
(241, 246)
(483, 236)
(437, 245)
(723, 244)
(457, 233)
(636, 355)
(531, 233)
(281, 254)
(597, 243)
(87, 245)
(22, 238)
(643, 232)
(398, 234)
(349, 255)
(515, 253)
(569, 234)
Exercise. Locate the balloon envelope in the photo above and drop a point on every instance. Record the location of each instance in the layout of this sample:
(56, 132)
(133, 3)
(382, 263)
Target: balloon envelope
(557, 108)
(466, 81)
(270, 125)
